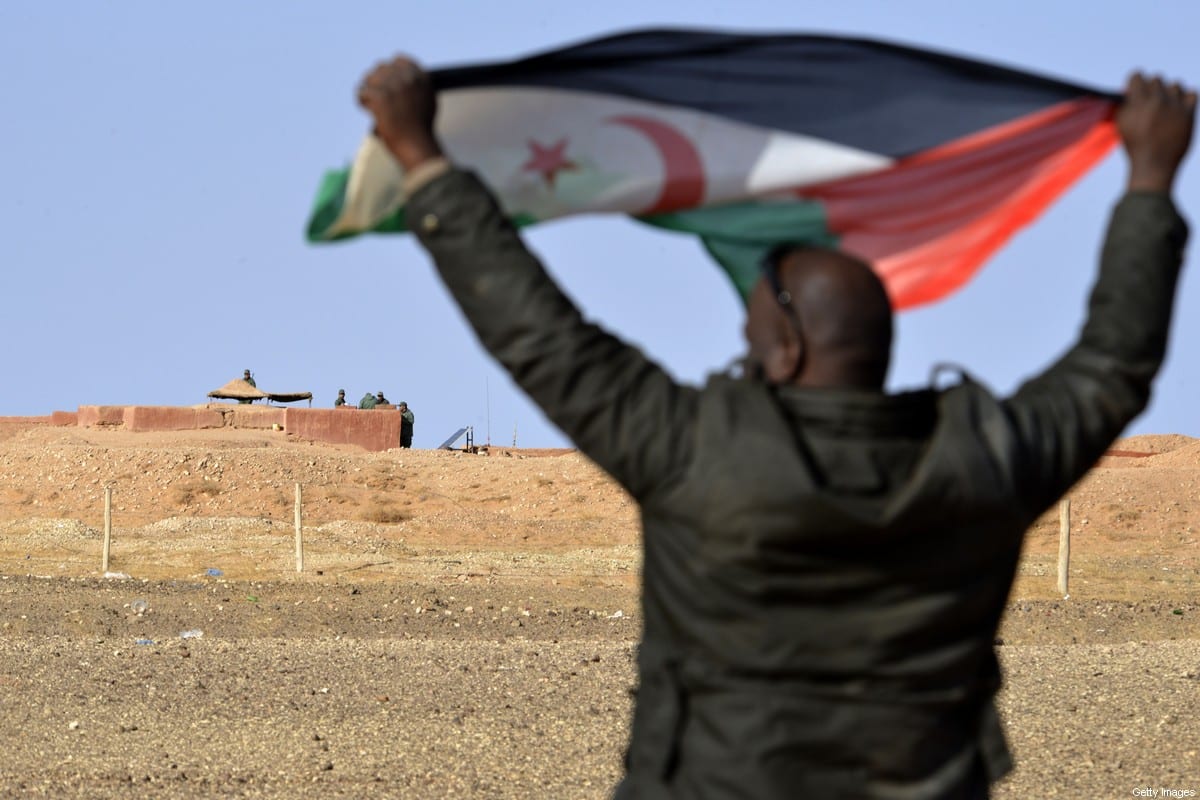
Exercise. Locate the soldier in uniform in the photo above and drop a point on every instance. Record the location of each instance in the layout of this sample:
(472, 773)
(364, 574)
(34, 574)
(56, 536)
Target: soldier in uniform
(407, 418)
(825, 563)
(248, 378)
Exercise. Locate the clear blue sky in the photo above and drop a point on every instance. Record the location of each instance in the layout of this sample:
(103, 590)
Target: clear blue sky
(160, 160)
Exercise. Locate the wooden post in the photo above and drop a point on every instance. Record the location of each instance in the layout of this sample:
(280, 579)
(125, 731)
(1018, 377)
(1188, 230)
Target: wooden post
(107, 528)
(1064, 544)
(299, 541)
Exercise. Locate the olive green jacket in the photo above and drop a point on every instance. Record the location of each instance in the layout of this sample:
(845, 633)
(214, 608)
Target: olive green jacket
(824, 569)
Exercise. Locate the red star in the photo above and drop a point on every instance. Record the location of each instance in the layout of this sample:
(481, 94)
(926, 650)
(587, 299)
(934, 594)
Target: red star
(548, 161)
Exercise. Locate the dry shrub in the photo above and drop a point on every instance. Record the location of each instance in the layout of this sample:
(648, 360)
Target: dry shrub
(383, 479)
(187, 493)
(384, 513)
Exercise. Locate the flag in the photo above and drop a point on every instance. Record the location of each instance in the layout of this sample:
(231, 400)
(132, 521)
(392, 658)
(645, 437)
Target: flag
(921, 163)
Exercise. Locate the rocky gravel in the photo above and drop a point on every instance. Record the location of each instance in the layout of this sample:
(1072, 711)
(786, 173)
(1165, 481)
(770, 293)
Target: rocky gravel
(392, 689)
(465, 626)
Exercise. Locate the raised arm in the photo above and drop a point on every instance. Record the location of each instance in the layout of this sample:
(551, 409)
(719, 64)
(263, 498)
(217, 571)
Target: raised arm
(621, 409)
(1069, 415)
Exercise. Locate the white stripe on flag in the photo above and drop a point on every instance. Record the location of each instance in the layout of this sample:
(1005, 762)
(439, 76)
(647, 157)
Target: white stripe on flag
(599, 153)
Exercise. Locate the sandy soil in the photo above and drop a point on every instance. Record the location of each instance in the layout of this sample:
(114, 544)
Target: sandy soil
(465, 624)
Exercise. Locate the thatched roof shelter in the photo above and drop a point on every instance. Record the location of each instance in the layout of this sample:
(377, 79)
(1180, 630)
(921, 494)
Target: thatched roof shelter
(238, 390)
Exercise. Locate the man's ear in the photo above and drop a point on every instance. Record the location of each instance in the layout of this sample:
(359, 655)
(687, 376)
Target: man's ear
(785, 360)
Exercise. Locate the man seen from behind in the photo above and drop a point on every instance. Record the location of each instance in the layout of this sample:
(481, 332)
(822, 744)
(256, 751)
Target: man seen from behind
(825, 563)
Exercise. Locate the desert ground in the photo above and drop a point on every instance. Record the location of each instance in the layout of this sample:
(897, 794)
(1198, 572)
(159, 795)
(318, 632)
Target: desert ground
(465, 624)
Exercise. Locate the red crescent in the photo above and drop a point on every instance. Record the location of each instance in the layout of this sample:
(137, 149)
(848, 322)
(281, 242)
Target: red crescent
(683, 171)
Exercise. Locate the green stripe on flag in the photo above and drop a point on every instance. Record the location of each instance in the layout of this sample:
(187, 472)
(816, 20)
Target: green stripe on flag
(331, 198)
(737, 235)
(328, 205)
(740, 235)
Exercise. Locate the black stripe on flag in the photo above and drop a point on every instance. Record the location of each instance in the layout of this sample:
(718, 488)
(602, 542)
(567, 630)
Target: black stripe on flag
(883, 98)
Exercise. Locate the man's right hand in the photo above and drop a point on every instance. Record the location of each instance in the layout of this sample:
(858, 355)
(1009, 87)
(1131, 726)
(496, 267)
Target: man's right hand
(400, 96)
(1155, 123)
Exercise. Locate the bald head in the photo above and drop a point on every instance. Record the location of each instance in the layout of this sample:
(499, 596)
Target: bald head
(835, 329)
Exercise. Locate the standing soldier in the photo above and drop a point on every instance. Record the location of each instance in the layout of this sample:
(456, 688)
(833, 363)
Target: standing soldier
(406, 425)
(248, 378)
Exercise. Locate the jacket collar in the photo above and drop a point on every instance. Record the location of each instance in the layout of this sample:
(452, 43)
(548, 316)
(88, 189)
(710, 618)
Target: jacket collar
(860, 411)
